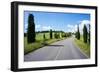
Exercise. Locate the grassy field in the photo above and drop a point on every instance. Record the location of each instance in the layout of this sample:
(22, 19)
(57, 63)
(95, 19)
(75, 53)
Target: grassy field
(39, 42)
(85, 47)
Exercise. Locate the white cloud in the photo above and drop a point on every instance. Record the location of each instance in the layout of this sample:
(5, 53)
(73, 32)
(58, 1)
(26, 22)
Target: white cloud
(42, 28)
(81, 25)
(46, 28)
(73, 28)
(70, 26)
(38, 26)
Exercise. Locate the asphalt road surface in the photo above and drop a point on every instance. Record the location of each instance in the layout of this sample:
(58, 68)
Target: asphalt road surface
(61, 50)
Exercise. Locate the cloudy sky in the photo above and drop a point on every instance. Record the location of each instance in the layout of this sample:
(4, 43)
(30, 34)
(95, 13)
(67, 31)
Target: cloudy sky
(66, 22)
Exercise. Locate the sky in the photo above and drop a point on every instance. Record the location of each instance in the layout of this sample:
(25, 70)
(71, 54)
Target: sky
(66, 22)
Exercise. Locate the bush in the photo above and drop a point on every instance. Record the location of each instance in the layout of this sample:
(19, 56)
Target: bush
(64, 35)
(57, 35)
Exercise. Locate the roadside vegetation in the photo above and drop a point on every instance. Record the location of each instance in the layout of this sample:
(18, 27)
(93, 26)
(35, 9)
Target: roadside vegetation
(83, 40)
(85, 47)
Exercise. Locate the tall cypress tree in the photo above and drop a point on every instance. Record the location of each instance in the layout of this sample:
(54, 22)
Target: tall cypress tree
(85, 34)
(31, 29)
(50, 33)
(89, 34)
(55, 35)
(78, 33)
(44, 36)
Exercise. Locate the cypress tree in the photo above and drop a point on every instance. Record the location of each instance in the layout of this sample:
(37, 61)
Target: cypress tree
(89, 34)
(44, 36)
(31, 29)
(55, 35)
(50, 33)
(78, 34)
(85, 34)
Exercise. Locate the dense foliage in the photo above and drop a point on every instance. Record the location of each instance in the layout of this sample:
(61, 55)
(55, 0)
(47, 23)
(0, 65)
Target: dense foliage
(31, 29)
(85, 33)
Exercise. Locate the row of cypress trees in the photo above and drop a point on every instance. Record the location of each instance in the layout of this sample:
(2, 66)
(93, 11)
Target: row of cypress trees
(86, 35)
(56, 35)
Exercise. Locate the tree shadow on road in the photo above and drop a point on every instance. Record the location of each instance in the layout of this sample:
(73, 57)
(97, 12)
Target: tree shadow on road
(56, 45)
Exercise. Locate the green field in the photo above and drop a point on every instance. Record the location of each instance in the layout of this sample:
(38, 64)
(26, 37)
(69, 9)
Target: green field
(39, 42)
(85, 47)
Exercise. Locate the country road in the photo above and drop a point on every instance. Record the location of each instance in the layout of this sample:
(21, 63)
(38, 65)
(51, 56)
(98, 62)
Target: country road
(61, 50)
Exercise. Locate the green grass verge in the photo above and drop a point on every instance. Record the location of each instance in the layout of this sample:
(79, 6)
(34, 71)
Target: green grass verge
(39, 42)
(85, 47)
(31, 47)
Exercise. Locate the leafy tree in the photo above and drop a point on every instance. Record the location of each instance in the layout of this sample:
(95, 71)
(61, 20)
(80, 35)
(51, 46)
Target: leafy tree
(64, 35)
(50, 33)
(31, 29)
(85, 34)
(56, 35)
(68, 34)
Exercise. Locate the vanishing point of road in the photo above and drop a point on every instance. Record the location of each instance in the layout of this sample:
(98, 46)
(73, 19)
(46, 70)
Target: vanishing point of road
(60, 50)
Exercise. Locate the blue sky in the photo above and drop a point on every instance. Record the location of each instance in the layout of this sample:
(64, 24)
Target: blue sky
(56, 21)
